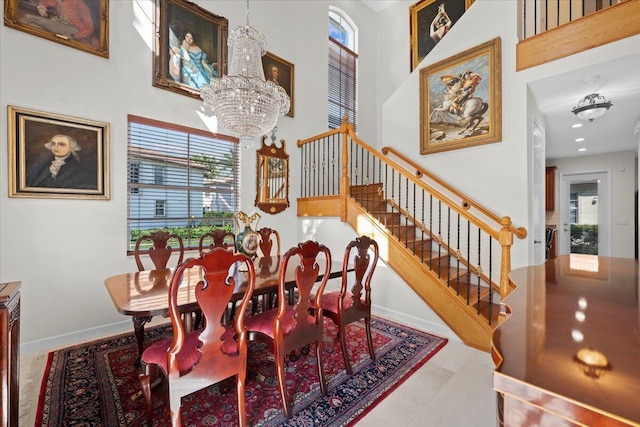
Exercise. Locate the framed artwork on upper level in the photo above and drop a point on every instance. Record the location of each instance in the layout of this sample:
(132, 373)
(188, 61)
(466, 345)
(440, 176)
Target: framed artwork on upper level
(82, 24)
(430, 20)
(190, 46)
(461, 100)
(279, 71)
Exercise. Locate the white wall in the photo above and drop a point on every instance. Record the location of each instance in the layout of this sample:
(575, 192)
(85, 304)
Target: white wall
(62, 250)
(621, 169)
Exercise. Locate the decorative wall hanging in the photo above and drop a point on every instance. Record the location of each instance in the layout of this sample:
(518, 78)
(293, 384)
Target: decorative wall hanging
(56, 156)
(80, 24)
(281, 73)
(272, 182)
(461, 100)
(430, 20)
(190, 46)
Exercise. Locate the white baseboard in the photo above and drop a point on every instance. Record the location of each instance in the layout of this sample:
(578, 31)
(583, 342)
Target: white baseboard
(415, 322)
(77, 337)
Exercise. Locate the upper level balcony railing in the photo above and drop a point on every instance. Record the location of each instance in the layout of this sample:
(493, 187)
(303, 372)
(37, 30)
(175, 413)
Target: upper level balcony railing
(553, 29)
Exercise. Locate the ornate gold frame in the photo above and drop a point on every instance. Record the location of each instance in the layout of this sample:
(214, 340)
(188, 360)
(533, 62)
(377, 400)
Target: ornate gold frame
(478, 120)
(16, 10)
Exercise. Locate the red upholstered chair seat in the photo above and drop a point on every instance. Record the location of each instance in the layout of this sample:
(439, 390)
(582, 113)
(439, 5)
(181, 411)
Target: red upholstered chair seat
(330, 301)
(263, 322)
(156, 353)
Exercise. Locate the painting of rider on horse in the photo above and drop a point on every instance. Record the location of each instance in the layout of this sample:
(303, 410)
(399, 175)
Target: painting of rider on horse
(460, 100)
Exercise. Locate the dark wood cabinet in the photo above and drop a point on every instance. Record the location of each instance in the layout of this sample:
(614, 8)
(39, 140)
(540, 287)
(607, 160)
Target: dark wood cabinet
(550, 188)
(9, 352)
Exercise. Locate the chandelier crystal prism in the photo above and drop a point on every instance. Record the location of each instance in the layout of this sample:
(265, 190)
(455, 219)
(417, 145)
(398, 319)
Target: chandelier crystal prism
(244, 103)
(591, 107)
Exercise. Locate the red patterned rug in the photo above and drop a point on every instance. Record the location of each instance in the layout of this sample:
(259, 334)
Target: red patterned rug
(96, 384)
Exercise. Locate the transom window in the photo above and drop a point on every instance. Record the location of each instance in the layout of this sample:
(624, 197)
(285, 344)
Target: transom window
(181, 179)
(343, 69)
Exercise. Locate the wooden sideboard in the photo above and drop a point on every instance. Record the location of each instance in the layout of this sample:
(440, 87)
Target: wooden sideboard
(560, 308)
(9, 352)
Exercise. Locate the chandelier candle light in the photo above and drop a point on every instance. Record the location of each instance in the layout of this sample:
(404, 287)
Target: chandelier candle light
(244, 103)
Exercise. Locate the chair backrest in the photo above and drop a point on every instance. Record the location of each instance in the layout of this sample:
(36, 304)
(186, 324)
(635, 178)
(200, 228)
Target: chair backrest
(268, 237)
(363, 254)
(311, 261)
(220, 238)
(160, 252)
(223, 352)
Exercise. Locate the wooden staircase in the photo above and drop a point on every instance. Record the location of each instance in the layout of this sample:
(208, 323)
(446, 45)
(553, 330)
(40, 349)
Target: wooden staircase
(453, 253)
(433, 255)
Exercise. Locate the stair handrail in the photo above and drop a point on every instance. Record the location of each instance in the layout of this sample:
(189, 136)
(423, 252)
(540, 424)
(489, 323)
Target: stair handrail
(467, 202)
(504, 235)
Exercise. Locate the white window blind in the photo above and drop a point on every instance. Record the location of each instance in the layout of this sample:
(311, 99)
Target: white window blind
(181, 179)
(342, 84)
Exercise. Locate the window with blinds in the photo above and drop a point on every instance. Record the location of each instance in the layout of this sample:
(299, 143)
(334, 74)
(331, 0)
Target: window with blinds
(342, 68)
(342, 84)
(181, 179)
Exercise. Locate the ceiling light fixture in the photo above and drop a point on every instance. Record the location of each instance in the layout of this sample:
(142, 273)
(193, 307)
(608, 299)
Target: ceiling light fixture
(591, 107)
(579, 139)
(576, 125)
(244, 103)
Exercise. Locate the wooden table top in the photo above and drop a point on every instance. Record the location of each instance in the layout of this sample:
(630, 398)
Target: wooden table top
(145, 293)
(567, 304)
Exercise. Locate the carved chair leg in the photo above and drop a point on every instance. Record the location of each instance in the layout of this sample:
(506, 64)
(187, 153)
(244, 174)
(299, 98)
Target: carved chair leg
(145, 384)
(175, 408)
(342, 334)
(279, 359)
(323, 386)
(242, 413)
(367, 323)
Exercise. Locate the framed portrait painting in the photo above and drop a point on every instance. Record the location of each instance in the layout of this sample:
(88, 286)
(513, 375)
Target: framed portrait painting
(430, 20)
(461, 100)
(82, 24)
(190, 46)
(56, 156)
(280, 72)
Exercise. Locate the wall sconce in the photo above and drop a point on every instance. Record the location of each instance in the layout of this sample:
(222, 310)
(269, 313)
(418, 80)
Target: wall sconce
(592, 363)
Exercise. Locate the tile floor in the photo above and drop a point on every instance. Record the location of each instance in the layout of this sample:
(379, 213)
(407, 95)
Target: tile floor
(453, 389)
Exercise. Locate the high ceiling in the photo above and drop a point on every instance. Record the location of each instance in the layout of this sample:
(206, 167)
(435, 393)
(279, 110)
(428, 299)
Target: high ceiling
(556, 96)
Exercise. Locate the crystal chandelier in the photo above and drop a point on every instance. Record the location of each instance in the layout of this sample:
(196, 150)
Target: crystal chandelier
(245, 104)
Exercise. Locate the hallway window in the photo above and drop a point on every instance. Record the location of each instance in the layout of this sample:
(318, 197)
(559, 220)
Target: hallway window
(182, 179)
(343, 68)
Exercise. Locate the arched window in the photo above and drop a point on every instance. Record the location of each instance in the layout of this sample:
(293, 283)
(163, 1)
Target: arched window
(343, 68)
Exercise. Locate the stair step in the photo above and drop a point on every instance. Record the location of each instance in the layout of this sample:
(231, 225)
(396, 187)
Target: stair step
(403, 232)
(387, 217)
(368, 190)
(421, 248)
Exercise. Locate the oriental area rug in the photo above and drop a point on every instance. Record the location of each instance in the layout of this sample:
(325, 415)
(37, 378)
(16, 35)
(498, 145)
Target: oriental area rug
(96, 383)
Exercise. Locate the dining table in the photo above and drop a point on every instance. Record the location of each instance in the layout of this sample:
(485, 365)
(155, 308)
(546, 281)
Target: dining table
(145, 294)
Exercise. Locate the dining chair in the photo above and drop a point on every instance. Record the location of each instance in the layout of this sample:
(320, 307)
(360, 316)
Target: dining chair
(290, 327)
(160, 252)
(348, 305)
(220, 238)
(190, 361)
(268, 246)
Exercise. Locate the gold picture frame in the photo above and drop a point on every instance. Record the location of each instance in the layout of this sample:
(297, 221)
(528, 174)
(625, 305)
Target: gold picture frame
(190, 46)
(461, 100)
(87, 31)
(56, 156)
(429, 21)
(285, 74)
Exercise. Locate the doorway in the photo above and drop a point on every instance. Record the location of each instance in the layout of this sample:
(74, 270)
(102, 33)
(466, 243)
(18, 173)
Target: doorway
(584, 214)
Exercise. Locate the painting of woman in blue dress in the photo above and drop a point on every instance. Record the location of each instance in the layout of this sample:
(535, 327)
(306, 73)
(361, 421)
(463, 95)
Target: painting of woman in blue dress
(188, 63)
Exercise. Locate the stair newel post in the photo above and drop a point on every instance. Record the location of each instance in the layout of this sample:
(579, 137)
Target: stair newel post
(505, 237)
(344, 179)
